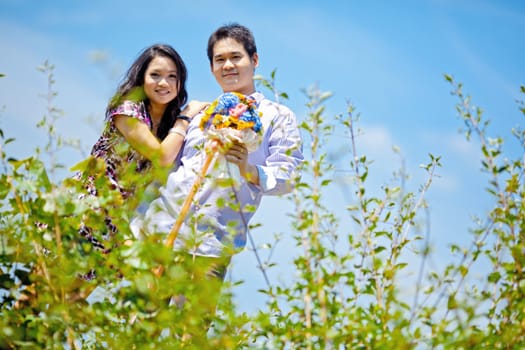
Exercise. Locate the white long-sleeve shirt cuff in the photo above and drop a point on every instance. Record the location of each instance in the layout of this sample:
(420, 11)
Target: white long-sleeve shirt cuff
(267, 180)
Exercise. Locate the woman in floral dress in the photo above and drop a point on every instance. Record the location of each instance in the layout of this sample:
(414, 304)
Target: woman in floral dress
(145, 127)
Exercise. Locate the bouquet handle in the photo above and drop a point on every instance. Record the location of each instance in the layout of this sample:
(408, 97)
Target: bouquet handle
(172, 236)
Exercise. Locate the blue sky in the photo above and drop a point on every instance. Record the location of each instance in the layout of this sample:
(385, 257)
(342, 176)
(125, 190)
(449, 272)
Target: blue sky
(387, 58)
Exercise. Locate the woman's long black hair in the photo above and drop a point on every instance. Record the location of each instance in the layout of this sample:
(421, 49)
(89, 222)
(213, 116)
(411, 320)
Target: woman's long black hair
(131, 87)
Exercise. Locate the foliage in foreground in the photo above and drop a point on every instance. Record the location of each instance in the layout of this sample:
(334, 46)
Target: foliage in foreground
(346, 291)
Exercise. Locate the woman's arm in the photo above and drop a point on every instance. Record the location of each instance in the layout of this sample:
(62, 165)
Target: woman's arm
(141, 138)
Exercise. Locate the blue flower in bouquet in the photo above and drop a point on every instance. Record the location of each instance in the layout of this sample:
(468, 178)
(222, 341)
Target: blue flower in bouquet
(227, 101)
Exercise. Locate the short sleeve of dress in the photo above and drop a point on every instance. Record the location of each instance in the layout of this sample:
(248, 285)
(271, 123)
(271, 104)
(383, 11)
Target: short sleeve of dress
(130, 109)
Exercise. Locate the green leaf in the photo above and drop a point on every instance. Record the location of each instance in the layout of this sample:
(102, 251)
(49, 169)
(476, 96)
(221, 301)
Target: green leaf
(452, 303)
(401, 266)
(83, 165)
(6, 281)
(326, 182)
(494, 277)
(379, 249)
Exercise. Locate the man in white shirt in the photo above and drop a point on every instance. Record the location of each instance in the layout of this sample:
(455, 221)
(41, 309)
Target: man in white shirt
(217, 224)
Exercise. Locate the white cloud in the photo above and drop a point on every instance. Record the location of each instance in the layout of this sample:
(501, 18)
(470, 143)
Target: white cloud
(375, 139)
(451, 146)
(457, 143)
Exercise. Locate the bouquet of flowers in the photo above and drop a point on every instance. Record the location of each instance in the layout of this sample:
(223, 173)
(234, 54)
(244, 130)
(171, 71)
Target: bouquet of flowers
(233, 117)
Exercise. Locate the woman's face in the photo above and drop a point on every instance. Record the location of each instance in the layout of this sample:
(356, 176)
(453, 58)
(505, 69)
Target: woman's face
(161, 84)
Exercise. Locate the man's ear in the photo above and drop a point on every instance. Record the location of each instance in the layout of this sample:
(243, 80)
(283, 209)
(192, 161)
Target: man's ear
(255, 60)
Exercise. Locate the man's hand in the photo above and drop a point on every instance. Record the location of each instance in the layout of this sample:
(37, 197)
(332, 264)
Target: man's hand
(237, 154)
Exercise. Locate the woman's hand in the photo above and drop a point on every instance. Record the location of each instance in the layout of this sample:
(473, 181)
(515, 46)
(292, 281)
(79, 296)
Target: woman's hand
(194, 107)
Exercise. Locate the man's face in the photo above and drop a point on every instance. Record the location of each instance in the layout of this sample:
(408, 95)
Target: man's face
(232, 67)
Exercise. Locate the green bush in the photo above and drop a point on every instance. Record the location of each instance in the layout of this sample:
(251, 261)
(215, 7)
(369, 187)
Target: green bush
(346, 292)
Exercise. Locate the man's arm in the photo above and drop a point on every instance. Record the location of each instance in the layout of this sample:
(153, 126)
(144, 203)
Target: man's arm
(284, 154)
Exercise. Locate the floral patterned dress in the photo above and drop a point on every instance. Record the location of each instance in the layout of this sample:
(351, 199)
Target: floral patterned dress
(116, 152)
(118, 156)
